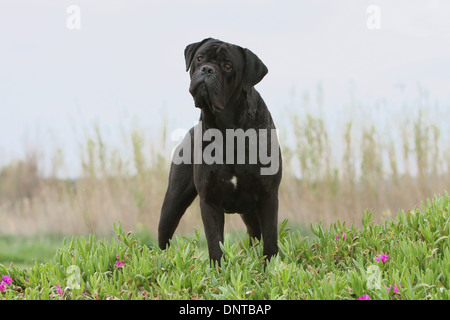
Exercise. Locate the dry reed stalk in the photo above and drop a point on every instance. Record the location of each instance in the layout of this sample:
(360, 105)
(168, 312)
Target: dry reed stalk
(374, 169)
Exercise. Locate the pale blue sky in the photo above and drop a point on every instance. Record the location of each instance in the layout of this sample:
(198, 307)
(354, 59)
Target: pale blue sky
(126, 62)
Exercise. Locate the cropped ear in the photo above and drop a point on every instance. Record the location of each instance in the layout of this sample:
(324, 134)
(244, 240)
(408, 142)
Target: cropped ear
(254, 70)
(190, 51)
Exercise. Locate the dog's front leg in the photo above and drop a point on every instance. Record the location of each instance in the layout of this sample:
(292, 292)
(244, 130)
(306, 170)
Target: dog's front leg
(179, 195)
(213, 222)
(268, 218)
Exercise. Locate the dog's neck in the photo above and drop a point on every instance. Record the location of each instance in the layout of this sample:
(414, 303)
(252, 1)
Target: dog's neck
(236, 114)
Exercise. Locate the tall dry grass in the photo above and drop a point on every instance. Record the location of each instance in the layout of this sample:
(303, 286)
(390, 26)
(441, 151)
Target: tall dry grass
(332, 170)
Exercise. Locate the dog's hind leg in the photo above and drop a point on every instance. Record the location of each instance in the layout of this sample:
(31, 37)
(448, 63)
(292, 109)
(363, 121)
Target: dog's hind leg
(179, 195)
(251, 221)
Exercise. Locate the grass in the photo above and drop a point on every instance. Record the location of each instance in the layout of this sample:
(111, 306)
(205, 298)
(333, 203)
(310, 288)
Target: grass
(332, 169)
(24, 250)
(323, 266)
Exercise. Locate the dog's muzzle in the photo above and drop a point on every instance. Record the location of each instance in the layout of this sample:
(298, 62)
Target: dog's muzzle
(205, 87)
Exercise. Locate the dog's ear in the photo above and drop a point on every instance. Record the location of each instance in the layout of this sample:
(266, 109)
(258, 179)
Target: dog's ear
(254, 70)
(190, 51)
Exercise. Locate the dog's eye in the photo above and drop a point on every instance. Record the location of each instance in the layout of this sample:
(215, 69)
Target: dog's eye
(200, 58)
(228, 66)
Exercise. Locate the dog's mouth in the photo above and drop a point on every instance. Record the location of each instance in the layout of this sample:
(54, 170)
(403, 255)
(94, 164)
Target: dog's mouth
(206, 94)
(199, 91)
(201, 96)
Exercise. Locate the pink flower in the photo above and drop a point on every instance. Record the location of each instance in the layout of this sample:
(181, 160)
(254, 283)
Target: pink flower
(3, 286)
(120, 264)
(364, 297)
(382, 257)
(58, 289)
(117, 256)
(395, 288)
(7, 279)
(343, 236)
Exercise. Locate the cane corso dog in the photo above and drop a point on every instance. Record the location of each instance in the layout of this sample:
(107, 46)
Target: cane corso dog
(232, 179)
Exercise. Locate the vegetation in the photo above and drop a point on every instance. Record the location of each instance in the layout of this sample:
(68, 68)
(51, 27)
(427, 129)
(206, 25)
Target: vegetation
(25, 250)
(333, 171)
(402, 258)
(381, 157)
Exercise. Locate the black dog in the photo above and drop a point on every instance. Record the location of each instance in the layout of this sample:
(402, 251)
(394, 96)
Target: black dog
(222, 80)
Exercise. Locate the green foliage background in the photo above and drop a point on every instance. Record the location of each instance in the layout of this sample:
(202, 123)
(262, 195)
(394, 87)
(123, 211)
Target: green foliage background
(318, 267)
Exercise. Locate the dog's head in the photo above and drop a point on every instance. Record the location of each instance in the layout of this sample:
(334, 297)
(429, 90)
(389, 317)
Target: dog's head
(220, 72)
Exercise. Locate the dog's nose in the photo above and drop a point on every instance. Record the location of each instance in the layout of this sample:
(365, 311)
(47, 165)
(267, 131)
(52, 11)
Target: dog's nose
(207, 70)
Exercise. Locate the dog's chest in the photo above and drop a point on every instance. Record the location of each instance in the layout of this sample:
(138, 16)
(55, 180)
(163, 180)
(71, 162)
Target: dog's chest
(232, 190)
(236, 194)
